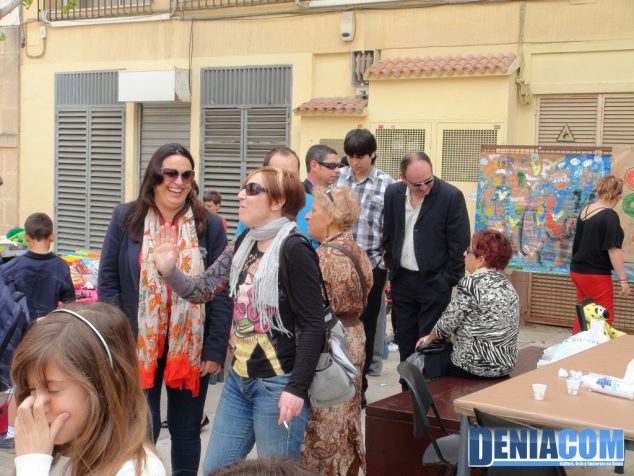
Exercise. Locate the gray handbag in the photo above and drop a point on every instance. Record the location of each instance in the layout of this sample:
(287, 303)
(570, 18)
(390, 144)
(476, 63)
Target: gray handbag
(334, 380)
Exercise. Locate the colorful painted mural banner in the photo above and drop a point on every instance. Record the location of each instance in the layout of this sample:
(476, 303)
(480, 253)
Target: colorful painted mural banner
(534, 194)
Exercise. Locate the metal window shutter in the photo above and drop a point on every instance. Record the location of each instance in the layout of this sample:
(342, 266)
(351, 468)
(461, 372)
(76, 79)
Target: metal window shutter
(266, 129)
(235, 143)
(245, 113)
(222, 158)
(106, 171)
(618, 120)
(248, 86)
(579, 113)
(70, 184)
(162, 124)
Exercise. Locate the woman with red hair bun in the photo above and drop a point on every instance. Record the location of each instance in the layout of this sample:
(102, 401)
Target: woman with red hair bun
(483, 317)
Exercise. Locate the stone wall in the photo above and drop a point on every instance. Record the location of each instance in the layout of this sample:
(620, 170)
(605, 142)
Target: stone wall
(9, 128)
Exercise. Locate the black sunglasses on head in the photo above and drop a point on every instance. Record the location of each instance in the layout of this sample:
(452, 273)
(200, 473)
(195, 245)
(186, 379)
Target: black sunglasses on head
(172, 174)
(253, 188)
(331, 166)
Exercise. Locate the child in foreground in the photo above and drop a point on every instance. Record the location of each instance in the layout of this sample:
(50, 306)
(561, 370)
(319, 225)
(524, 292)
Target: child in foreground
(81, 407)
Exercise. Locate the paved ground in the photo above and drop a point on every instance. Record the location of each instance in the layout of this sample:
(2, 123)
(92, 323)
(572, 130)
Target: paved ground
(379, 388)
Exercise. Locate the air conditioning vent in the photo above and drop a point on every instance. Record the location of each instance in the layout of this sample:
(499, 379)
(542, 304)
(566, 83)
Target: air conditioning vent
(361, 62)
(394, 143)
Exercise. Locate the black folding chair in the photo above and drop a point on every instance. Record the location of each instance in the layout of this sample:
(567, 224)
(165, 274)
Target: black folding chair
(581, 317)
(492, 421)
(444, 450)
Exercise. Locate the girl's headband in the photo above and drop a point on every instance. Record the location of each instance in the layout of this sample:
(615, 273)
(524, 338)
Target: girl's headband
(94, 329)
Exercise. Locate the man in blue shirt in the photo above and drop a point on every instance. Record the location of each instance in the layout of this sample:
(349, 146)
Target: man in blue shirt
(286, 159)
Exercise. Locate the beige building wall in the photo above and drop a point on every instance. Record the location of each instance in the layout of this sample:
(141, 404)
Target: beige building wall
(563, 46)
(9, 118)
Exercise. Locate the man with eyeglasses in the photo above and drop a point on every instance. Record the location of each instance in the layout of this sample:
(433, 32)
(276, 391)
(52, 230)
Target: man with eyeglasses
(369, 184)
(426, 230)
(322, 167)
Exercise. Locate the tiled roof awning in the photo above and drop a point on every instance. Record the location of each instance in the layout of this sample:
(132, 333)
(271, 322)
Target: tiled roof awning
(336, 105)
(439, 66)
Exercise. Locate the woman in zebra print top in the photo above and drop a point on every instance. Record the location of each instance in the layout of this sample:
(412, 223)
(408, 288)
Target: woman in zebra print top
(483, 317)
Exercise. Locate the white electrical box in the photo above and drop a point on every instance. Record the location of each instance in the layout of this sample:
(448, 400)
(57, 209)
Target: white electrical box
(171, 85)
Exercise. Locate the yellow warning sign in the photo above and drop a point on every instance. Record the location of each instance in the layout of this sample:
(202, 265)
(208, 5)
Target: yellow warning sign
(566, 135)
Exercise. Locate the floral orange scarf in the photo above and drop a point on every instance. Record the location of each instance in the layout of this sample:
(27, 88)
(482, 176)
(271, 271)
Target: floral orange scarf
(186, 322)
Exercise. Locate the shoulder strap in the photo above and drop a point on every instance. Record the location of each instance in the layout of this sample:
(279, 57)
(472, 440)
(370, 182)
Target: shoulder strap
(357, 266)
(283, 269)
(589, 213)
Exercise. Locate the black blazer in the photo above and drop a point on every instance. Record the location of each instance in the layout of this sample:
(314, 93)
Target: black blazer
(441, 233)
(119, 274)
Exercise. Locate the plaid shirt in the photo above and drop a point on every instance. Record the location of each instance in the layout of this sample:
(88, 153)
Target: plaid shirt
(368, 231)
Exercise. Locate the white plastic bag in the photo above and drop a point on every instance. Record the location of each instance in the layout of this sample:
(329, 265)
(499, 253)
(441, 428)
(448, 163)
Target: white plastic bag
(576, 343)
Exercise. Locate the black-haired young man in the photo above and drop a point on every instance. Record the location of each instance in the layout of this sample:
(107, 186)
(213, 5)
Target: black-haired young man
(369, 184)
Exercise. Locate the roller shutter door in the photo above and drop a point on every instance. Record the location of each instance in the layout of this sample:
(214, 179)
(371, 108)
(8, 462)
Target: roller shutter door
(89, 150)
(160, 125)
(245, 113)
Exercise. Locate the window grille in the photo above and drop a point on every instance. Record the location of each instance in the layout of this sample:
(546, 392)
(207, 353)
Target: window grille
(461, 152)
(393, 144)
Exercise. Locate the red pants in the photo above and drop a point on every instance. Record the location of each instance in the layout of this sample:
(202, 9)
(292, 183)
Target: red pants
(597, 286)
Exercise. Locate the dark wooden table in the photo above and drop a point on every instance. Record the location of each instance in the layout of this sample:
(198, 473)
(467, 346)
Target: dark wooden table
(389, 440)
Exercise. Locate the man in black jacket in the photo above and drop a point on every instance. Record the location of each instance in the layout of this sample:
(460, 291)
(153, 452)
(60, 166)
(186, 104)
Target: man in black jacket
(425, 233)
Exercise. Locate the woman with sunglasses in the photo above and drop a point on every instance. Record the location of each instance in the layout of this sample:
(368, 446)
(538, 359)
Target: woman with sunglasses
(178, 343)
(482, 318)
(278, 331)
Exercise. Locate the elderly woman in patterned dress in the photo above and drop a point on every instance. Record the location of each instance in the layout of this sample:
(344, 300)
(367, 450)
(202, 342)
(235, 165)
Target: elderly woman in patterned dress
(483, 317)
(333, 443)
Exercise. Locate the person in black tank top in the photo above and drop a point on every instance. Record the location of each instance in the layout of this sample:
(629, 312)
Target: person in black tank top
(596, 249)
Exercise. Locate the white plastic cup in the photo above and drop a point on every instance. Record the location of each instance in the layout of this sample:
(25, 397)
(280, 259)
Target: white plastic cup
(539, 391)
(573, 386)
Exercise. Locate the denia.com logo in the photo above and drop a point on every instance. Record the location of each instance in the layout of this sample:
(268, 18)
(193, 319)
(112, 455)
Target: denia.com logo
(532, 447)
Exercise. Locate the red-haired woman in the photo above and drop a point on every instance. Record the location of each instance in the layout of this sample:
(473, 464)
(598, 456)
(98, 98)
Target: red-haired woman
(483, 317)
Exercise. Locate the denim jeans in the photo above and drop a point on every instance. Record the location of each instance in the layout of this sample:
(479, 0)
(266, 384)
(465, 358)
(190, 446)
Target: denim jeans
(184, 414)
(247, 414)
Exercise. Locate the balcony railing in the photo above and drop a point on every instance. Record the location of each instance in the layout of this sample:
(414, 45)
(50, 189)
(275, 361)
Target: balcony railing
(56, 10)
(208, 4)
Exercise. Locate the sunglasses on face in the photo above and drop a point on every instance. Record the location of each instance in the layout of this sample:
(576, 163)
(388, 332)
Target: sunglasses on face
(253, 188)
(331, 166)
(424, 182)
(172, 175)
